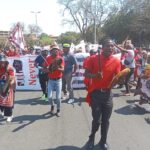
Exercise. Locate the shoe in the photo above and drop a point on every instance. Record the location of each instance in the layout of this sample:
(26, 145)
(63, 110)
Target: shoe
(120, 86)
(46, 99)
(65, 96)
(126, 94)
(70, 101)
(2, 114)
(137, 104)
(104, 146)
(43, 97)
(9, 119)
(90, 144)
(58, 113)
(147, 109)
(52, 110)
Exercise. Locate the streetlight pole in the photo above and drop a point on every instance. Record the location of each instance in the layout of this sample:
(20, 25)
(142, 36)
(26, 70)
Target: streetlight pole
(37, 12)
(36, 23)
(95, 22)
(94, 30)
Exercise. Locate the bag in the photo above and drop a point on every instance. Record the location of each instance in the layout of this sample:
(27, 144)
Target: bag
(128, 62)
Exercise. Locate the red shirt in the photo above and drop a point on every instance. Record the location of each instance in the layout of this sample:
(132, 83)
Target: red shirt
(110, 66)
(56, 73)
(11, 53)
(85, 62)
(10, 71)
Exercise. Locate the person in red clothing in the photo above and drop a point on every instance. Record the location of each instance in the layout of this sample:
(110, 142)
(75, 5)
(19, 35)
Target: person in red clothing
(55, 65)
(11, 52)
(101, 68)
(88, 80)
(7, 88)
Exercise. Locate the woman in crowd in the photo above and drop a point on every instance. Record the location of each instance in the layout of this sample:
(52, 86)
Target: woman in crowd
(7, 88)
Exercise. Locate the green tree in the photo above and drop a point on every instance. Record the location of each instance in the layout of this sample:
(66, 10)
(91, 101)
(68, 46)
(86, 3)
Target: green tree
(86, 13)
(132, 19)
(44, 39)
(34, 29)
(69, 37)
(118, 26)
(30, 41)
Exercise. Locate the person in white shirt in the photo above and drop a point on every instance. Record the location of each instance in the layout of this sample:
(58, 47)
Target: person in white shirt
(129, 62)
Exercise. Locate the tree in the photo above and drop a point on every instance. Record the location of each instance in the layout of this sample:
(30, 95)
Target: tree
(69, 37)
(30, 41)
(117, 26)
(133, 19)
(86, 13)
(34, 29)
(44, 39)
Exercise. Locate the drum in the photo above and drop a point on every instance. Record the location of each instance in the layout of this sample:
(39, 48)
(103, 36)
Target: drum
(119, 78)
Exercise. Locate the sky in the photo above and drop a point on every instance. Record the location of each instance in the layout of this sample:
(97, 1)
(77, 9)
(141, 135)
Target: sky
(49, 18)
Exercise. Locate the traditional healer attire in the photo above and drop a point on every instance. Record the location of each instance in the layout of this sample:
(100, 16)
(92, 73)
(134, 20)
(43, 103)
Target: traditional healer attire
(7, 87)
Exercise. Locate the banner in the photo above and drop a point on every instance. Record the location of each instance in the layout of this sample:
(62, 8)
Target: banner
(25, 72)
(27, 75)
(77, 80)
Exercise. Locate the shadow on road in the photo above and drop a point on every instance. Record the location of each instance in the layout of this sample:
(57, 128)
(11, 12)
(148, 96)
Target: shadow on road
(69, 147)
(129, 110)
(132, 101)
(72, 148)
(26, 120)
(64, 148)
(34, 101)
(78, 101)
(147, 120)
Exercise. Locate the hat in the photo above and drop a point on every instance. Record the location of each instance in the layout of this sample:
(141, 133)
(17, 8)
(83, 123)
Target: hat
(3, 58)
(44, 50)
(66, 45)
(54, 47)
(93, 51)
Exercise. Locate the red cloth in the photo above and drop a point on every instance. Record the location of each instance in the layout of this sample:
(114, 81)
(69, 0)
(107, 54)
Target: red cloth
(11, 54)
(86, 80)
(110, 66)
(56, 73)
(9, 70)
(7, 100)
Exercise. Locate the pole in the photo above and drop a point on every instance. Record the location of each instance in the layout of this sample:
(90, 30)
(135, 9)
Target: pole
(94, 30)
(95, 23)
(36, 19)
(36, 23)
(35, 12)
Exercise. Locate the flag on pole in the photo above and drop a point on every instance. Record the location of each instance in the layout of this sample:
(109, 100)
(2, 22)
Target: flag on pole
(16, 37)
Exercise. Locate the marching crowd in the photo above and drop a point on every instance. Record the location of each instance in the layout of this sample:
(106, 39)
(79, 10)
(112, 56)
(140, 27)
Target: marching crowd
(103, 71)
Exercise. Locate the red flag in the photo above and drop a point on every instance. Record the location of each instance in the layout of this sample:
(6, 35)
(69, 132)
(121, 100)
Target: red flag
(16, 37)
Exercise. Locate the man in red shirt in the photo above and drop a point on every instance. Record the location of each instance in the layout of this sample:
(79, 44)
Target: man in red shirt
(101, 68)
(55, 65)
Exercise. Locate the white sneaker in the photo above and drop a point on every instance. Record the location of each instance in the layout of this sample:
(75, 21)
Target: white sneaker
(2, 114)
(9, 119)
(65, 96)
(147, 109)
(70, 101)
(137, 104)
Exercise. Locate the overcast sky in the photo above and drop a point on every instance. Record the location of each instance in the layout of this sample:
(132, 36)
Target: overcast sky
(13, 11)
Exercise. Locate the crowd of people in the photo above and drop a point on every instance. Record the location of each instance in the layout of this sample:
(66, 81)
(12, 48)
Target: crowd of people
(12, 51)
(57, 67)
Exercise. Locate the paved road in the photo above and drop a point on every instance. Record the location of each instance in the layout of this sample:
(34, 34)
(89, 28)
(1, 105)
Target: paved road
(33, 128)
